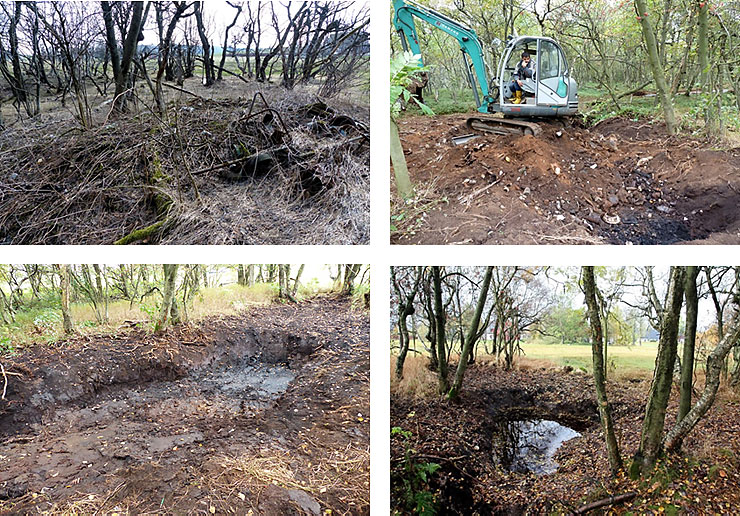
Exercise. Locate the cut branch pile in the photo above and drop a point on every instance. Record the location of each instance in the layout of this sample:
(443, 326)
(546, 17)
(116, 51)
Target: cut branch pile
(245, 171)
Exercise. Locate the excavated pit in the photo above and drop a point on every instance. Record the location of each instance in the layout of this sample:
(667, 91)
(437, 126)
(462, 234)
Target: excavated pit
(620, 182)
(144, 423)
(529, 446)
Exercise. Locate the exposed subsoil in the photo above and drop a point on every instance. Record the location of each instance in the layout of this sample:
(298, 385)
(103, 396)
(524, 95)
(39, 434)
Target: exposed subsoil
(618, 182)
(458, 437)
(261, 413)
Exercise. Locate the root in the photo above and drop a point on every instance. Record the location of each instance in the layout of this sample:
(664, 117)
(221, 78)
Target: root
(141, 234)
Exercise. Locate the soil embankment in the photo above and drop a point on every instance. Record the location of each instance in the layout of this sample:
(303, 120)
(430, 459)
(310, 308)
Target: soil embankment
(619, 182)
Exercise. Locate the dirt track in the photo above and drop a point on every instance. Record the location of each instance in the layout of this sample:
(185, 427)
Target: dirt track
(569, 185)
(264, 413)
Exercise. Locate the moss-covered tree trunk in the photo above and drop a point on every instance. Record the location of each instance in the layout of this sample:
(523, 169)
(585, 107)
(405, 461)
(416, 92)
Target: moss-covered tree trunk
(400, 170)
(714, 367)
(597, 347)
(65, 288)
(439, 319)
(687, 361)
(660, 388)
(656, 65)
(165, 314)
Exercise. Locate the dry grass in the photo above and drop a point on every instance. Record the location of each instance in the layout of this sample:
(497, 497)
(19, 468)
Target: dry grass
(343, 474)
(96, 186)
(418, 381)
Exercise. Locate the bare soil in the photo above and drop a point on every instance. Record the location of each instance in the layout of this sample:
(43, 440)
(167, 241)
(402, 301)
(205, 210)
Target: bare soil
(458, 436)
(262, 413)
(619, 182)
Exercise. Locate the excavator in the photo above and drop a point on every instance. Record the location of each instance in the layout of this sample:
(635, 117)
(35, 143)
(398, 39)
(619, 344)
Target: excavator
(551, 92)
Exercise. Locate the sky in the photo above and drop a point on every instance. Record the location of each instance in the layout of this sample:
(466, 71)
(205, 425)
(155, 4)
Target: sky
(218, 15)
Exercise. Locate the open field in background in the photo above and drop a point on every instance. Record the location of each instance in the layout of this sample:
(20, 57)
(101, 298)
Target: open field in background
(579, 355)
(42, 323)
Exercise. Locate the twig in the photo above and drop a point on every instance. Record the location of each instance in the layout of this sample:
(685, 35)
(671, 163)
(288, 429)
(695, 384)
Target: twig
(5, 377)
(186, 91)
(467, 199)
(611, 500)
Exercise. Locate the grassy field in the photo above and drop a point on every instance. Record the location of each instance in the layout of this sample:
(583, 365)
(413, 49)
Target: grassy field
(579, 356)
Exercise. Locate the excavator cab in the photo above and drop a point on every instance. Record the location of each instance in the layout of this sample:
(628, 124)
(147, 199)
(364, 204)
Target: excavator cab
(550, 92)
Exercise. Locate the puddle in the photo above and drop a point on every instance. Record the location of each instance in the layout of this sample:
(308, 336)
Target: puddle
(528, 446)
(252, 385)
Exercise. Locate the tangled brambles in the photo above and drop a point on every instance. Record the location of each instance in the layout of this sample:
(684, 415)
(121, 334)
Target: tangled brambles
(286, 169)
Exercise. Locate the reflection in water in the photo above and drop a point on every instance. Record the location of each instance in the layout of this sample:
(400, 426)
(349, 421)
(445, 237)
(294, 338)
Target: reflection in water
(529, 446)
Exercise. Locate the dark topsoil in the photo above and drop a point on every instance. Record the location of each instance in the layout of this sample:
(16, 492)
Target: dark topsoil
(458, 436)
(138, 423)
(563, 189)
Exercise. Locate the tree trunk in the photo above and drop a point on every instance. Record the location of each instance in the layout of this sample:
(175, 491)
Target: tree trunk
(65, 287)
(238, 8)
(687, 362)
(439, 317)
(297, 280)
(241, 278)
(704, 403)
(472, 335)
(207, 58)
(250, 275)
(605, 415)
(165, 315)
(660, 389)
(657, 66)
(400, 169)
(702, 45)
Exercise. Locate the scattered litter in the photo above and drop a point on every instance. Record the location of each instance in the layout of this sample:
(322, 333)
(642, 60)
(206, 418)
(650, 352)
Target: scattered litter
(611, 219)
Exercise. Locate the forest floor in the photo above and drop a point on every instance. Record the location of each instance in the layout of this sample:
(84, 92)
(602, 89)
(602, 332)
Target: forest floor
(266, 412)
(460, 438)
(224, 165)
(619, 182)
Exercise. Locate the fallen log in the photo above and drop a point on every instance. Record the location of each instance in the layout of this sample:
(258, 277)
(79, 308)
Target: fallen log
(611, 500)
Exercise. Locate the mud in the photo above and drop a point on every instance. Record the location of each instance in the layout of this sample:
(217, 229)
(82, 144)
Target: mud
(620, 182)
(158, 425)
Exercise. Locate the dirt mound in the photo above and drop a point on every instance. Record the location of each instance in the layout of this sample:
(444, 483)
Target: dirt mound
(618, 182)
(249, 170)
(264, 412)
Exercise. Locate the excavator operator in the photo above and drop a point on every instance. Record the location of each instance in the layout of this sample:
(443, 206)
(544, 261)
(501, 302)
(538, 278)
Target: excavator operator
(525, 69)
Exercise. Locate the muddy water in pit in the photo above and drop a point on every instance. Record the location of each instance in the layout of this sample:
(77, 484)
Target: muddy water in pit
(252, 386)
(528, 446)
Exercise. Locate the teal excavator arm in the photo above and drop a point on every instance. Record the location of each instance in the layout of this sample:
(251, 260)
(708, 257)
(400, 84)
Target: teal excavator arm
(403, 20)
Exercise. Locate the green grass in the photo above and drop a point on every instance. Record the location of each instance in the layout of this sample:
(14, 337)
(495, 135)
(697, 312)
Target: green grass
(41, 322)
(579, 355)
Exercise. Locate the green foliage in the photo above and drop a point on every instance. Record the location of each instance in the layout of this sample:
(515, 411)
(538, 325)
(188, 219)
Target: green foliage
(358, 295)
(404, 70)
(568, 325)
(151, 309)
(6, 344)
(410, 479)
(46, 321)
(446, 101)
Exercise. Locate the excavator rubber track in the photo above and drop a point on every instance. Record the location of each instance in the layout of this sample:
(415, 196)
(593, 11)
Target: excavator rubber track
(503, 126)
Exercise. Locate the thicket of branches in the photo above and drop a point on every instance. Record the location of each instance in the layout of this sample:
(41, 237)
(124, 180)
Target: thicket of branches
(73, 50)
